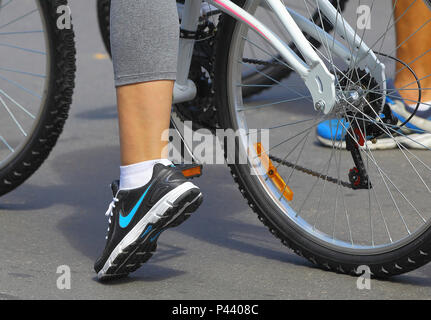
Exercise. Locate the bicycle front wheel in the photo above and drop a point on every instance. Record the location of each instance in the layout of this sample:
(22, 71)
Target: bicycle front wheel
(310, 196)
(37, 71)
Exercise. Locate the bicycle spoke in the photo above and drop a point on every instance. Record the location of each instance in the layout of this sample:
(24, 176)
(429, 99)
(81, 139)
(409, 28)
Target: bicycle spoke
(20, 32)
(24, 72)
(21, 48)
(381, 171)
(3, 103)
(17, 104)
(6, 144)
(18, 19)
(16, 84)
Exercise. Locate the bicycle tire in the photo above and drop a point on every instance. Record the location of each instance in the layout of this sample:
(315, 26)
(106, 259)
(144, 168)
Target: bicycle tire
(103, 16)
(397, 261)
(54, 112)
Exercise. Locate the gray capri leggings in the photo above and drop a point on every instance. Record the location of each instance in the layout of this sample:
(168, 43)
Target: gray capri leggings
(144, 40)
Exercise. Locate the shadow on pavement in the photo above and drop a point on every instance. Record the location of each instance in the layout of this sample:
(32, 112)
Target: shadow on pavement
(109, 112)
(87, 174)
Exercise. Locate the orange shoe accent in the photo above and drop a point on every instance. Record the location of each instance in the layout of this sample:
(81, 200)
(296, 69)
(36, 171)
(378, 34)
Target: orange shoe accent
(271, 171)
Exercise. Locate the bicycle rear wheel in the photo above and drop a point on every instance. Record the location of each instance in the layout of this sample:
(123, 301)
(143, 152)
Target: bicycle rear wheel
(37, 71)
(329, 220)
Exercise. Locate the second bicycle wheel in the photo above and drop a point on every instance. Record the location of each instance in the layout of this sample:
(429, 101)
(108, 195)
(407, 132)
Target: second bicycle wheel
(37, 72)
(368, 207)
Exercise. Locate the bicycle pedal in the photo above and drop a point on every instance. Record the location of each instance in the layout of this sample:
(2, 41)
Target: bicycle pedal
(190, 171)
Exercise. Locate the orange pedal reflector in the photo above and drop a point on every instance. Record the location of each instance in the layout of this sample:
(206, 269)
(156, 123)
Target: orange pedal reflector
(190, 170)
(272, 173)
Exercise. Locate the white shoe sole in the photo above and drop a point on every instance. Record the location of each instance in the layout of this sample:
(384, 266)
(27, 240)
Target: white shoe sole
(413, 141)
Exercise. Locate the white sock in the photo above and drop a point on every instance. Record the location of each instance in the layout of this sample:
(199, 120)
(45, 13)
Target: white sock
(139, 174)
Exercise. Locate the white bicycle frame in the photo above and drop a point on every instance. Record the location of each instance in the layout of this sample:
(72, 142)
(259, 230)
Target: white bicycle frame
(318, 79)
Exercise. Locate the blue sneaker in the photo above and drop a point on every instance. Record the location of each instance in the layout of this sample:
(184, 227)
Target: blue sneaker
(415, 134)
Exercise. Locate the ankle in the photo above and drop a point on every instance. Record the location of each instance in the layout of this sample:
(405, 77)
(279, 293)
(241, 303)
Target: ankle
(138, 174)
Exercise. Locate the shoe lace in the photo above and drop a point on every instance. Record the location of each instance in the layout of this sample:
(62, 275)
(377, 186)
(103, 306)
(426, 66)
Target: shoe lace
(109, 213)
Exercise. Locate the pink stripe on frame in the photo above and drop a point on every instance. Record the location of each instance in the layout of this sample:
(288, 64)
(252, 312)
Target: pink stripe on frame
(241, 18)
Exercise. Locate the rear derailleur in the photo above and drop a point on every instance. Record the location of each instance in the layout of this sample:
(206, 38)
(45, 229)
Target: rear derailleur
(359, 132)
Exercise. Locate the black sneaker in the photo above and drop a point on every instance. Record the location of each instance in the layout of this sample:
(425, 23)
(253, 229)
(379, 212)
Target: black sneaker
(138, 216)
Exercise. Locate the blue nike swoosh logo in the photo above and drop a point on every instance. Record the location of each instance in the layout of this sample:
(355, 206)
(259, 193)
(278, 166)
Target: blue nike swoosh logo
(124, 221)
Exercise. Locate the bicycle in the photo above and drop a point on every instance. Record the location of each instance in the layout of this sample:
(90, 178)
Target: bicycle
(339, 218)
(228, 78)
(36, 85)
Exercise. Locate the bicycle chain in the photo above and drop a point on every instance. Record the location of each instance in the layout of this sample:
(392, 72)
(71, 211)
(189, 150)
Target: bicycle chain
(311, 172)
(262, 62)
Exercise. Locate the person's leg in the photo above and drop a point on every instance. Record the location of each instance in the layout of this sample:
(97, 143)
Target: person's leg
(143, 52)
(411, 16)
(144, 38)
(143, 111)
(152, 194)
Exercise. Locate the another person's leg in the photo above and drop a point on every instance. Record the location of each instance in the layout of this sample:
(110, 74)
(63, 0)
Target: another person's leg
(413, 30)
(152, 195)
(413, 48)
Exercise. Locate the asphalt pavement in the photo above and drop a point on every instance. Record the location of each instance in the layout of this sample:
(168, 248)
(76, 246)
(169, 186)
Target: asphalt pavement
(223, 252)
